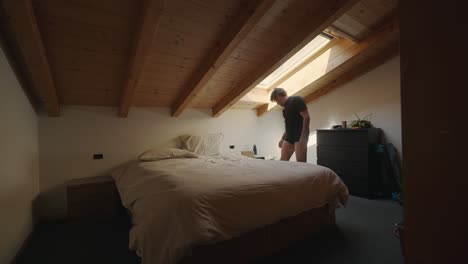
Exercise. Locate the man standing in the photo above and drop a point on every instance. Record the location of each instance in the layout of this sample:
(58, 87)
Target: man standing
(296, 118)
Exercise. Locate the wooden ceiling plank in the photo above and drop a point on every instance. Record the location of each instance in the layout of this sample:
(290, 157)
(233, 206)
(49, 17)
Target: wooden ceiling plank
(30, 43)
(237, 31)
(93, 16)
(329, 12)
(256, 96)
(152, 13)
(351, 53)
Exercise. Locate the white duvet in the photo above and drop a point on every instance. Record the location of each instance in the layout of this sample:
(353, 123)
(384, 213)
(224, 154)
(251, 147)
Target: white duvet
(178, 203)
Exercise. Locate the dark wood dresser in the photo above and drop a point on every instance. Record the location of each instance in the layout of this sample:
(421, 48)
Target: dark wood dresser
(351, 154)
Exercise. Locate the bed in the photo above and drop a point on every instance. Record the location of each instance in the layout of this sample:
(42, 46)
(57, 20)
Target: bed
(192, 209)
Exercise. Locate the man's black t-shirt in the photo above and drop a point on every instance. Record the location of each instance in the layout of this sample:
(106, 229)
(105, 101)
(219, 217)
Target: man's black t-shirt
(293, 119)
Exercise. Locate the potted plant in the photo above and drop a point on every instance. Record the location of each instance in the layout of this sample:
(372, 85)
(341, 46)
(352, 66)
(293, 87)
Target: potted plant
(361, 123)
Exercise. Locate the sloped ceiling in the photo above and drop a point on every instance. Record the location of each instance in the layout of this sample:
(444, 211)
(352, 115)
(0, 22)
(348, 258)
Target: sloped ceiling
(187, 53)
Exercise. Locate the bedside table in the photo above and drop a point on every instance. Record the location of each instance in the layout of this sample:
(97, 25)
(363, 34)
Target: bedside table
(250, 154)
(92, 199)
(247, 153)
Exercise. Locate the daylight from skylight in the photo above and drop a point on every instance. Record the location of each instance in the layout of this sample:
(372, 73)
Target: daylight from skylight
(297, 59)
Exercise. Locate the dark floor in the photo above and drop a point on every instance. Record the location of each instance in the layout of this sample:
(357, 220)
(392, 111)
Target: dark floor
(364, 236)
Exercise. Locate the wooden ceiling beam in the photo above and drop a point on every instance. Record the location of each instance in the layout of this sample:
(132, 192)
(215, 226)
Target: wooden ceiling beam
(257, 95)
(354, 72)
(29, 41)
(236, 32)
(329, 12)
(147, 28)
(347, 56)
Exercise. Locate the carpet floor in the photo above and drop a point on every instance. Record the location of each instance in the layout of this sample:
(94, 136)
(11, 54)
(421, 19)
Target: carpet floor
(364, 236)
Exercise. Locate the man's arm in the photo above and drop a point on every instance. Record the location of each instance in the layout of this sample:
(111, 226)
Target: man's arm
(305, 122)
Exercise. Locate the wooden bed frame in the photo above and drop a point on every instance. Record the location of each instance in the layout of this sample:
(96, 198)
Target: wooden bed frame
(266, 240)
(258, 243)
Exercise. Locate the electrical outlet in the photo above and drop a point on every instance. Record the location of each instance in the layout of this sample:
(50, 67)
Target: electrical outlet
(98, 156)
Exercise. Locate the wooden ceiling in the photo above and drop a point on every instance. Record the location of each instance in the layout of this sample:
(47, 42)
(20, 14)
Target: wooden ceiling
(188, 53)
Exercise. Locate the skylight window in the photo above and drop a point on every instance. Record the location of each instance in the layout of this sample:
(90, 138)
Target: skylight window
(297, 59)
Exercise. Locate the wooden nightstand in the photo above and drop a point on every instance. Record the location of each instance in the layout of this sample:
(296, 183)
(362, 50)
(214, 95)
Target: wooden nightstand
(92, 199)
(248, 153)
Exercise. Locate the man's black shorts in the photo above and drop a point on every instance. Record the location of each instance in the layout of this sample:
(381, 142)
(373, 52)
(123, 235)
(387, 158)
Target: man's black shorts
(294, 136)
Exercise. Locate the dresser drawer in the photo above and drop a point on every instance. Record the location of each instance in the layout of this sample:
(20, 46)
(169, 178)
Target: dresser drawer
(340, 153)
(356, 170)
(342, 138)
(334, 165)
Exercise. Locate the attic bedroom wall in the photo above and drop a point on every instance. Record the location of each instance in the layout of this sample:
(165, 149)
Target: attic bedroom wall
(19, 162)
(69, 142)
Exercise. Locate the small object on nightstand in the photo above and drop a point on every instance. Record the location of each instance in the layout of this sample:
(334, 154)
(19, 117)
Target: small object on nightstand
(92, 198)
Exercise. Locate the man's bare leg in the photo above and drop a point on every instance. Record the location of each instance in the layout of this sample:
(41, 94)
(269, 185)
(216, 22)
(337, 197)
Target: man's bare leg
(287, 149)
(301, 149)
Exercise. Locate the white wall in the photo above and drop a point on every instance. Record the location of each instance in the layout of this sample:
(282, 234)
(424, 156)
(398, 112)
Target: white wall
(68, 142)
(376, 92)
(19, 171)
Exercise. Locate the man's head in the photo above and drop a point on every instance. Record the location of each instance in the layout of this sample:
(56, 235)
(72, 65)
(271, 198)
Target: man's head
(279, 96)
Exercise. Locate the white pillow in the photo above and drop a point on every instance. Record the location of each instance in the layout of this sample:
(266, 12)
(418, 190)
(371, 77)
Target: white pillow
(209, 145)
(165, 153)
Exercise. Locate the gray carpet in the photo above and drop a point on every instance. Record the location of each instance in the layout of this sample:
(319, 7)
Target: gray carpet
(364, 236)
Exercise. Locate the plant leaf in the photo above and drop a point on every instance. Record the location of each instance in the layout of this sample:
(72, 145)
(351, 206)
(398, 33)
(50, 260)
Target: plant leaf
(357, 116)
